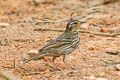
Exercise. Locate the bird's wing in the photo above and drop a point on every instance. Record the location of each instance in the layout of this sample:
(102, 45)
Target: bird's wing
(56, 43)
(51, 46)
(45, 51)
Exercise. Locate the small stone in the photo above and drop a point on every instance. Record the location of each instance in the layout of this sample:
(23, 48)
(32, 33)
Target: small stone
(92, 78)
(92, 35)
(102, 74)
(37, 2)
(118, 67)
(4, 25)
(103, 30)
(101, 79)
(27, 78)
(91, 48)
(4, 41)
(29, 54)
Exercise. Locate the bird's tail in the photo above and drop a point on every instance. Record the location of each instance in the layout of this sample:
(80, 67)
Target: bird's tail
(32, 58)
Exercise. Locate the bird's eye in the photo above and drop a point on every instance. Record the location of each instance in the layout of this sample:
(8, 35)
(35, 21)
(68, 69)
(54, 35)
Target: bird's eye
(75, 23)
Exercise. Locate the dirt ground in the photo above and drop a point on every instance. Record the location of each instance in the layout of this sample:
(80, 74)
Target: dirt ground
(90, 61)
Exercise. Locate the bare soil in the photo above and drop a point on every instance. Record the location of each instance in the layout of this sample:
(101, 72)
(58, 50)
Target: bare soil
(89, 61)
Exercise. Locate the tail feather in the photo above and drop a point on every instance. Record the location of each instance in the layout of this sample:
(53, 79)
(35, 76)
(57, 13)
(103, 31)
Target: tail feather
(32, 58)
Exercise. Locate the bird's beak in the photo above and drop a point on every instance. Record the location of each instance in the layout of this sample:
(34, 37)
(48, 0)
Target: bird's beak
(81, 22)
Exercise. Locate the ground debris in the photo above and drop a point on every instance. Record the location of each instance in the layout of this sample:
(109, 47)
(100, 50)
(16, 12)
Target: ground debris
(7, 75)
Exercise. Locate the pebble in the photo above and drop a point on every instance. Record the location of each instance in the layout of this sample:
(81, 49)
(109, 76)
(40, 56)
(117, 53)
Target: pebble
(92, 78)
(118, 67)
(4, 25)
(37, 2)
(101, 79)
(29, 54)
(4, 41)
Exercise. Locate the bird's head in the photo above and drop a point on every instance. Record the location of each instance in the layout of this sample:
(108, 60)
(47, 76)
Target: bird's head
(72, 25)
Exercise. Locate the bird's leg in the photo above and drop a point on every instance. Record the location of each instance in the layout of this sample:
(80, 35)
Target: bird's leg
(53, 60)
(46, 63)
(64, 60)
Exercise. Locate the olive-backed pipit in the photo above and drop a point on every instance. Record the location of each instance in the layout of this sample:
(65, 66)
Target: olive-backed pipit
(63, 45)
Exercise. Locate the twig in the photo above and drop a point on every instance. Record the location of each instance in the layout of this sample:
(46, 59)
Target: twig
(14, 64)
(32, 73)
(25, 70)
(99, 33)
(84, 19)
(7, 67)
(4, 75)
(92, 10)
(67, 19)
(42, 29)
(21, 40)
(52, 21)
(109, 1)
(83, 31)
(87, 13)
(113, 52)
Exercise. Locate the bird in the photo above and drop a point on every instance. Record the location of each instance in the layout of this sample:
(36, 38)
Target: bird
(65, 44)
